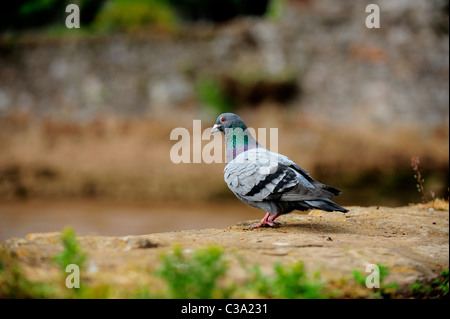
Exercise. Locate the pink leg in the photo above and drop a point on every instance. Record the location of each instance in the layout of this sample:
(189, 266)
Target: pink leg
(267, 220)
(272, 218)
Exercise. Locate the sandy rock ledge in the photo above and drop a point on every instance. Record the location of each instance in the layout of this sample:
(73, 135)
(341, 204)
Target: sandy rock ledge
(412, 241)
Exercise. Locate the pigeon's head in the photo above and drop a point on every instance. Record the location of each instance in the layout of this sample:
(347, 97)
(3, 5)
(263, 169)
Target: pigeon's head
(228, 120)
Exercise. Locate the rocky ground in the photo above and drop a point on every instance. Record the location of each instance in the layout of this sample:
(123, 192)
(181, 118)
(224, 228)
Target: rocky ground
(412, 241)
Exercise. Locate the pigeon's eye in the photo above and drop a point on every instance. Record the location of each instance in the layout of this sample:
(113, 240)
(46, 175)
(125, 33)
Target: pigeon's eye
(223, 120)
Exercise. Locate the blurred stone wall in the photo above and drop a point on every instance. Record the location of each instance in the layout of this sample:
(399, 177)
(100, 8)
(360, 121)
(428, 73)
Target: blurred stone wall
(345, 72)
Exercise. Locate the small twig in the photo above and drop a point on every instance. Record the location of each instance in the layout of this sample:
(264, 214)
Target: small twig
(415, 165)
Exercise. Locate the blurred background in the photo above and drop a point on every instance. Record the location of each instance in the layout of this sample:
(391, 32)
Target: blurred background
(86, 114)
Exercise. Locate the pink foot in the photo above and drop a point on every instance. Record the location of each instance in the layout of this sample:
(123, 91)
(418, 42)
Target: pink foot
(267, 220)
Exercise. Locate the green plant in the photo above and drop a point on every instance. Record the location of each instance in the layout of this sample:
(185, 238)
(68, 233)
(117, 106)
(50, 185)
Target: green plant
(72, 252)
(199, 276)
(212, 95)
(438, 287)
(385, 290)
(14, 283)
(287, 282)
(275, 9)
(35, 6)
(360, 277)
(443, 282)
(195, 276)
(132, 15)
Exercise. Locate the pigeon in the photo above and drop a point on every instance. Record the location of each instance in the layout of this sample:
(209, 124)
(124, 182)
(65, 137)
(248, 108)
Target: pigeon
(268, 180)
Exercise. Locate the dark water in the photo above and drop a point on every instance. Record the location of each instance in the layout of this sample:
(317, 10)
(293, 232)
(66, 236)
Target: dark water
(17, 219)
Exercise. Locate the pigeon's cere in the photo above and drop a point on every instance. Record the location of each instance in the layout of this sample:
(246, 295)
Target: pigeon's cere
(267, 180)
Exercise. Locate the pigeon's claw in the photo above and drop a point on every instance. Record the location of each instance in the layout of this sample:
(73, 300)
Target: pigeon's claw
(261, 224)
(266, 221)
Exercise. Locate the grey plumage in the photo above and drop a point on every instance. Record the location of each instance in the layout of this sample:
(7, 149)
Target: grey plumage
(267, 180)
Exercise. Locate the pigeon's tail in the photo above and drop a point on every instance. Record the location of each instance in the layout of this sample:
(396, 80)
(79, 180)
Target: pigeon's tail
(326, 205)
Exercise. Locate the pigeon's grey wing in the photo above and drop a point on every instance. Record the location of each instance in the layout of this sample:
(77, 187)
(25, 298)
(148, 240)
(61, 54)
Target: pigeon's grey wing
(247, 180)
(306, 179)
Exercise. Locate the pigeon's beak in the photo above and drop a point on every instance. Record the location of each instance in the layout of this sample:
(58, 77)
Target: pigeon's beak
(215, 129)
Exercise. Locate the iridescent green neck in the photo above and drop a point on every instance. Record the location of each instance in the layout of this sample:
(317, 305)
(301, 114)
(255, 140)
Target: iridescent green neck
(238, 140)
